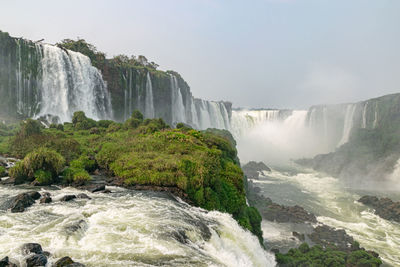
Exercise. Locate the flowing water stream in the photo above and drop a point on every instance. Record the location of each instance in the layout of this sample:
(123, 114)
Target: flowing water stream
(334, 205)
(128, 228)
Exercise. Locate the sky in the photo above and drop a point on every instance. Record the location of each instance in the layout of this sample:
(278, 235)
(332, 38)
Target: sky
(254, 53)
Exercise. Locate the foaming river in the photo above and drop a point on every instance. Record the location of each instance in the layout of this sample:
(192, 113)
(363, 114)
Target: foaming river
(334, 205)
(128, 228)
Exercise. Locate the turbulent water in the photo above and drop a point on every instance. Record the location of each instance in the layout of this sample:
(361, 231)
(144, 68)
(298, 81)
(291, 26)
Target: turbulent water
(128, 228)
(334, 205)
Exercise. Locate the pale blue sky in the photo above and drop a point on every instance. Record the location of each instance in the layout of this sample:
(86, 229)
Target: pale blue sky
(255, 53)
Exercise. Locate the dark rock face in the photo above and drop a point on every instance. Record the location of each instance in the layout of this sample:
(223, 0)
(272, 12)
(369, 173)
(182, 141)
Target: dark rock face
(28, 248)
(45, 200)
(83, 196)
(67, 262)
(299, 236)
(252, 169)
(18, 203)
(283, 214)
(35, 195)
(5, 262)
(327, 237)
(36, 260)
(68, 198)
(384, 207)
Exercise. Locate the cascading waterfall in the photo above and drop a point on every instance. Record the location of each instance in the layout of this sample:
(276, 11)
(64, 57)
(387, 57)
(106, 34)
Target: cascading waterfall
(348, 123)
(364, 116)
(70, 83)
(177, 109)
(149, 100)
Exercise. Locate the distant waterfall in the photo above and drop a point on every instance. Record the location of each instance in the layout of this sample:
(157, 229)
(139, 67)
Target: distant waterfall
(348, 123)
(70, 83)
(149, 101)
(177, 109)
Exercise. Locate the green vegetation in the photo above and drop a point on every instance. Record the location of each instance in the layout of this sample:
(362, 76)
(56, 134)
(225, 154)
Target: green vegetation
(203, 165)
(318, 256)
(2, 171)
(42, 165)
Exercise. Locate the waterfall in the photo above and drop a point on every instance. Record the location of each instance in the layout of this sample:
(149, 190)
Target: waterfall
(375, 116)
(348, 123)
(177, 108)
(364, 116)
(149, 102)
(70, 83)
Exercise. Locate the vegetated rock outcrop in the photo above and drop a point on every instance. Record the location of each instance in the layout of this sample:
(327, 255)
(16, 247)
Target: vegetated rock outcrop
(384, 207)
(199, 166)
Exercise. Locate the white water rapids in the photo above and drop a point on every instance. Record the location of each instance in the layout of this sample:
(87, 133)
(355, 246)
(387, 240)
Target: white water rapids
(334, 205)
(128, 228)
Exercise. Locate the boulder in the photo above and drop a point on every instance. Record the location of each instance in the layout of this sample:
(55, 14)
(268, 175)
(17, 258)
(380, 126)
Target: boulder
(83, 196)
(67, 262)
(19, 203)
(5, 262)
(35, 195)
(384, 207)
(68, 198)
(252, 169)
(28, 248)
(36, 260)
(45, 200)
(330, 237)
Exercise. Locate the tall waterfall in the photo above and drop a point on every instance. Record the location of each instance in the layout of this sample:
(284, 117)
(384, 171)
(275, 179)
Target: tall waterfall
(348, 123)
(178, 109)
(70, 83)
(149, 107)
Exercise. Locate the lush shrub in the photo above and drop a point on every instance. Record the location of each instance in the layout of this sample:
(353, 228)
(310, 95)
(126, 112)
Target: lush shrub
(104, 123)
(43, 177)
(81, 177)
(81, 122)
(30, 127)
(41, 159)
(318, 256)
(2, 171)
(84, 162)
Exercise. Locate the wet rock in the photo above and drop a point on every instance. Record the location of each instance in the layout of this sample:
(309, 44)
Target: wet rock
(180, 236)
(330, 237)
(299, 236)
(28, 248)
(252, 169)
(107, 191)
(384, 207)
(284, 214)
(45, 200)
(36, 260)
(98, 188)
(83, 196)
(18, 203)
(46, 194)
(68, 198)
(5, 262)
(275, 250)
(35, 195)
(81, 225)
(65, 261)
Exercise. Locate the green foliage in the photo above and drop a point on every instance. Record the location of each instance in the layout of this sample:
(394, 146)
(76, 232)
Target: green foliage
(42, 159)
(143, 152)
(2, 171)
(317, 256)
(30, 127)
(43, 177)
(81, 122)
(83, 162)
(81, 177)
